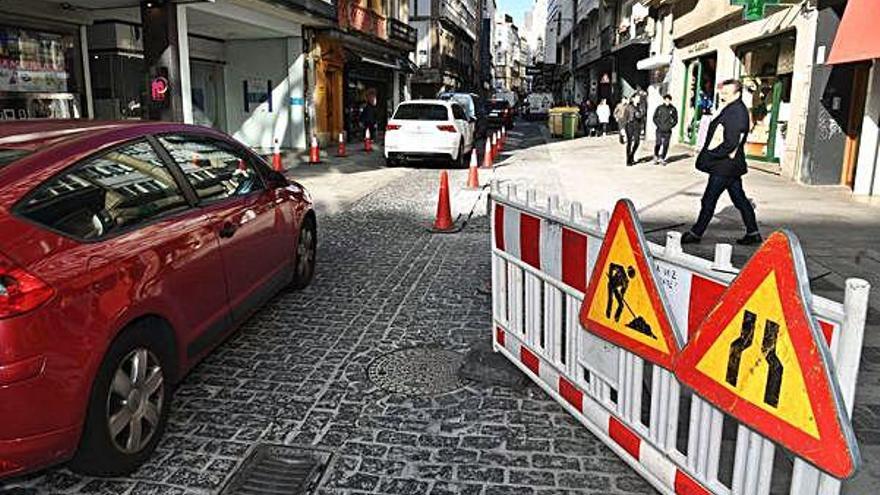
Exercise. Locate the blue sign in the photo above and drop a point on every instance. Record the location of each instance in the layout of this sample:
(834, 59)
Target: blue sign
(297, 101)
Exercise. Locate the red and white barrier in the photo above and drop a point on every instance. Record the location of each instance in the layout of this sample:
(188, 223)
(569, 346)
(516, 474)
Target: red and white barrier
(542, 258)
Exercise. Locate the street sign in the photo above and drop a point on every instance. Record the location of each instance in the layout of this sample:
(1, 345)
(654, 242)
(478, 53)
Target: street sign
(760, 356)
(623, 304)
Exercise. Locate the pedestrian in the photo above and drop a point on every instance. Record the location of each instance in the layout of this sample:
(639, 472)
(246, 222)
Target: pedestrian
(643, 106)
(665, 118)
(592, 123)
(603, 112)
(620, 118)
(726, 164)
(370, 114)
(635, 120)
(585, 108)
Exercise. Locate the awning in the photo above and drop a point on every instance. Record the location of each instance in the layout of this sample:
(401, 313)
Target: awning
(858, 36)
(407, 65)
(380, 63)
(654, 62)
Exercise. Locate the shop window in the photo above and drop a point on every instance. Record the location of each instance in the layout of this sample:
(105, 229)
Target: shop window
(39, 74)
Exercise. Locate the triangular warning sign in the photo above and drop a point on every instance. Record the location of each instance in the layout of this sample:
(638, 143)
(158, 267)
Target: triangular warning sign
(760, 356)
(622, 303)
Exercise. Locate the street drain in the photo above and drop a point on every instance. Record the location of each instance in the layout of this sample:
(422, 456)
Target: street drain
(417, 371)
(278, 470)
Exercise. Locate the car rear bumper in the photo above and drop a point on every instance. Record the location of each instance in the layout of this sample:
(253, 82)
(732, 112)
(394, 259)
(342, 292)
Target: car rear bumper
(426, 145)
(22, 455)
(418, 156)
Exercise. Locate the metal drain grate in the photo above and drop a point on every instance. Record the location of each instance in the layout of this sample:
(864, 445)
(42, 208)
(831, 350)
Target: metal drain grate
(417, 371)
(278, 470)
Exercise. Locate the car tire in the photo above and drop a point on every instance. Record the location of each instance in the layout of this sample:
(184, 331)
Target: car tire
(460, 162)
(138, 366)
(306, 254)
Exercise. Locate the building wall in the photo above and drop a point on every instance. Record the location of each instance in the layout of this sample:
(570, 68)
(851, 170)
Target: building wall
(725, 39)
(276, 60)
(867, 180)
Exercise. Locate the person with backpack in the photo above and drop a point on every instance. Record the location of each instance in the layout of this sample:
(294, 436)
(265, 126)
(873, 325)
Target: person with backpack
(665, 119)
(726, 164)
(635, 120)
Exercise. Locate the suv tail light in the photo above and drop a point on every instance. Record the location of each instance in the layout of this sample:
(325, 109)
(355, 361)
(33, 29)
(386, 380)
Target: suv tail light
(392, 127)
(20, 291)
(447, 128)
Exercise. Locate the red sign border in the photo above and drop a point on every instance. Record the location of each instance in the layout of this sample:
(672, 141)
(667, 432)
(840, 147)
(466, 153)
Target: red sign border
(835, 451)
(624, 212)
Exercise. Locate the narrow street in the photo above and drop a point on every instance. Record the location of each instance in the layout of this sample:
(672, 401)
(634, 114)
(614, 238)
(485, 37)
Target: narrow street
(297, 374)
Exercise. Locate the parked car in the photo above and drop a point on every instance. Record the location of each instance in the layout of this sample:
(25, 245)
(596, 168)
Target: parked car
(422, 130)
(475, 108)
(128, 251)
(500, 114)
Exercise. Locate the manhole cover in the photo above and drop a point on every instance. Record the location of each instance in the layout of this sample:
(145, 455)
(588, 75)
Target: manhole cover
(278, 470)
(417, 371)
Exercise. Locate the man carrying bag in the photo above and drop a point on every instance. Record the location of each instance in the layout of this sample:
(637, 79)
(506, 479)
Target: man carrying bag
(726, 164)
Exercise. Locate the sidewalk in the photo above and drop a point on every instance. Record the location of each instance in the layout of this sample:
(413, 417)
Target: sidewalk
(839, 234)
(337, 182)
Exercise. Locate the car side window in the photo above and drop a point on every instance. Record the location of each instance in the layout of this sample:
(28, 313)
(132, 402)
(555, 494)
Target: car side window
(458, 112)
(215, 169)
(124, 187)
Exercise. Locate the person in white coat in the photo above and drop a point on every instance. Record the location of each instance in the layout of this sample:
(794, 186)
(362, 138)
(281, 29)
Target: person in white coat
(604, 113)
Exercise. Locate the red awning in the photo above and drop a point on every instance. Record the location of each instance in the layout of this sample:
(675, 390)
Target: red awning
(858, 36)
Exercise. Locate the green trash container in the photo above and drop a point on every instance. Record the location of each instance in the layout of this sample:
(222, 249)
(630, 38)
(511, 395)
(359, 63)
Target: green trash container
(569, 124)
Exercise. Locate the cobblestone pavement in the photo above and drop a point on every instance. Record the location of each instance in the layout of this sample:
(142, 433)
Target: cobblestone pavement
(297, 374)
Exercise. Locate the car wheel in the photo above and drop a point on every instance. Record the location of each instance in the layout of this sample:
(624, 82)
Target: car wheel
(306, 251)
(460, 162)
(128, 405)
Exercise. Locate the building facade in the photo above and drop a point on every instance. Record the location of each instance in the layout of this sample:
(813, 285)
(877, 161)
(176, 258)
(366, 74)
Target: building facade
(447, 53)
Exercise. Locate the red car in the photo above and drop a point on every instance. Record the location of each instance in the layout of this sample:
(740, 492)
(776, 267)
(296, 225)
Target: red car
(127, 252)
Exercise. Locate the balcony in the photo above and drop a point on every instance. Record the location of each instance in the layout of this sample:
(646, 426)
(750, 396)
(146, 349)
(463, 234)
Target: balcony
(633, 31)
(356, 18)
(402, 33)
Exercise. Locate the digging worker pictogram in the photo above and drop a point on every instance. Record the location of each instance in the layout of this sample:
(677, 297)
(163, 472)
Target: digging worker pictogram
(618, 283)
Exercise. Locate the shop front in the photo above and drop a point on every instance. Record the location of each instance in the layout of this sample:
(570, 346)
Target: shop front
(698, 99)
(367, 77)
(41, 71)
(767, 71)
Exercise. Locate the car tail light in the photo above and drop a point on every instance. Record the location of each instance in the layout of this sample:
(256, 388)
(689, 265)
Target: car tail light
(392, 127)
(447, 128)
(20, 291)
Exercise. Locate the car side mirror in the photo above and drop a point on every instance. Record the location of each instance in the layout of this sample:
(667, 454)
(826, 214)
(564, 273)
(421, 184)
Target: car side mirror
(277, 179)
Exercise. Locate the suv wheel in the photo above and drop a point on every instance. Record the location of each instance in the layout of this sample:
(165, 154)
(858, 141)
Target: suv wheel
(128, 405)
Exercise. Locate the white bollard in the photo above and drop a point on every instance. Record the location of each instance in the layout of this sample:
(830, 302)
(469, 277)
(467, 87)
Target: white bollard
(723, 254)
(673, 244)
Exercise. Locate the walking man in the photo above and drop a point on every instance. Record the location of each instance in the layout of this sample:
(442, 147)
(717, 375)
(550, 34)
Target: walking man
(603, 111)
(726, 164)
(635, 120)
(665, 118)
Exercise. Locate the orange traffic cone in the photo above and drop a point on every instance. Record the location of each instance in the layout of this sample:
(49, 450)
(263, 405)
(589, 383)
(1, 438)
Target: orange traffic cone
(473, 181)
(314, 151)
(487, 156)
(276, 160)
(503, 135)
(368, 142)
(443, 221)
(500, 141)
(494, 145)
(340, 150)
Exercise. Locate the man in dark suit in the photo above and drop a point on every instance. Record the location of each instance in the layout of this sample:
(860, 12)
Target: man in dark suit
(726, 164)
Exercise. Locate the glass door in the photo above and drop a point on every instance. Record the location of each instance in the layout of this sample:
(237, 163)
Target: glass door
(207, 90)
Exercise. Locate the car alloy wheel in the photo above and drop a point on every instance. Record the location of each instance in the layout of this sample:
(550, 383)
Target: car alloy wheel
(306, 254)
(135, 401)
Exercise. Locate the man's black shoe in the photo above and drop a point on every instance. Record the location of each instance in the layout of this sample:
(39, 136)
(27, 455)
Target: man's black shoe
(749, 239)
(690, 238)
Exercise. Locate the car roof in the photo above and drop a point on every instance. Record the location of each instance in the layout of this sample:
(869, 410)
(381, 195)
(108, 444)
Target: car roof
(444, 103)
(36, 134)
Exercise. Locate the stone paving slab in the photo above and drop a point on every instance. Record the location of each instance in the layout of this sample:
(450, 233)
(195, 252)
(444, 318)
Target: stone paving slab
(296, 375)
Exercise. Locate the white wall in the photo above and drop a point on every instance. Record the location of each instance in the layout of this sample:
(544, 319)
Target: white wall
(279, 60)
(867, 180)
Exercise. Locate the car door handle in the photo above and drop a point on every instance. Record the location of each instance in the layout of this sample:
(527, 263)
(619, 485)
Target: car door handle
(228, 230)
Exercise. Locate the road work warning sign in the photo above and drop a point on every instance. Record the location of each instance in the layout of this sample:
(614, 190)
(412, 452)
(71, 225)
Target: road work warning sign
(623, 304)
(760, 356)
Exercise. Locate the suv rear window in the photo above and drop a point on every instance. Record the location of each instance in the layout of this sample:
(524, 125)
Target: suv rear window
(116, 190)
(9, 155)
(498, 105)
(421, 111)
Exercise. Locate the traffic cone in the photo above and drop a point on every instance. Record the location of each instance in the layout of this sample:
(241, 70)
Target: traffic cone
(314, 151)
(340, 151)
(501, 140)
(443, 221)
(368, 142)
(487, 156)
(276, 160)
(494, 145)
(473, 181)
(503, 135)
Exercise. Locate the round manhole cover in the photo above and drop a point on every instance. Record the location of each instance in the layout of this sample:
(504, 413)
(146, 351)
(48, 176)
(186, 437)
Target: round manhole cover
(417, 371)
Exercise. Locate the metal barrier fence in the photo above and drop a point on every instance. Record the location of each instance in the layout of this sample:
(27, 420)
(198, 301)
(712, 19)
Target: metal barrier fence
(542, 258)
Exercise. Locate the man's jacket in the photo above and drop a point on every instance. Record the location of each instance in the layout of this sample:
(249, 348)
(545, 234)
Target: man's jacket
(728, 158)
(665, 118)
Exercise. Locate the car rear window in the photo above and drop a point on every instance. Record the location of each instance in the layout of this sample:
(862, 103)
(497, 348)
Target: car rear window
(421, 111)
(9, 155)
(498, 105)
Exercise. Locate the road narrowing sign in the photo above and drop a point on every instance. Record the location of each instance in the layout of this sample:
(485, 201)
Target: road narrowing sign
(623, 304)
(760, 356)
